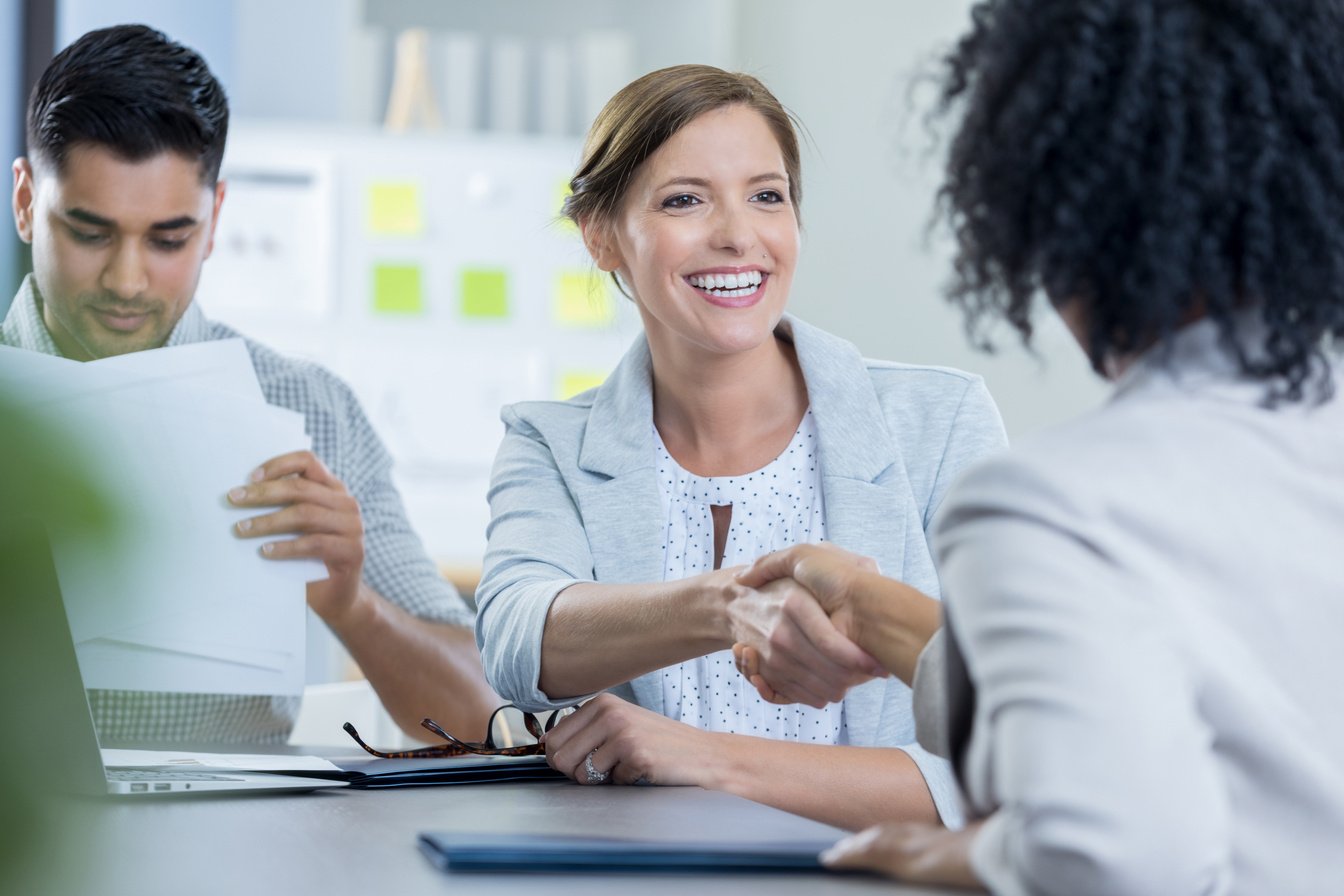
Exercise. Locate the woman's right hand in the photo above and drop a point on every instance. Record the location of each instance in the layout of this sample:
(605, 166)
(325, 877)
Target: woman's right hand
(898, 619)
(806, 654)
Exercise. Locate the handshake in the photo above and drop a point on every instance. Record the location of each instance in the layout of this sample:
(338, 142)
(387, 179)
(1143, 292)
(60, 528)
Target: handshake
(813, 621)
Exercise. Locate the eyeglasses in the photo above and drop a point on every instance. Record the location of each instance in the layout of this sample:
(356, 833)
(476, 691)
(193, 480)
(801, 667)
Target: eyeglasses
(456, 747)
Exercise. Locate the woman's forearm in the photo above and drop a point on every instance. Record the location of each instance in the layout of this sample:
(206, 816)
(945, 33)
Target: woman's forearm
(893, 622)
(599, 635)
(849, 787)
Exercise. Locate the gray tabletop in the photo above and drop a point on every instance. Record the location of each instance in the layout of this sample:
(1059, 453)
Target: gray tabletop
(364, 842)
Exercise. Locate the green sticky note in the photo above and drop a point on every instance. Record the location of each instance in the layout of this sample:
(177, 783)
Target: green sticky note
(398, 289)
(572, 382)
(582, 299)
(484, 293)
(394, 209)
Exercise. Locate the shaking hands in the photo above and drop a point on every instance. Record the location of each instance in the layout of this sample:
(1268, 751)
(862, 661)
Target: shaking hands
(823, 621)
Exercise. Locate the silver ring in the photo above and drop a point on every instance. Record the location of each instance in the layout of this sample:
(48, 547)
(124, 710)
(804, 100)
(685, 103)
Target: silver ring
(594, 776)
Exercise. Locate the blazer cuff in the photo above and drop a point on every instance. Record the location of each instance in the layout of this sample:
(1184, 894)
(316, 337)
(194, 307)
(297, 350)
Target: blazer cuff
(930, 697)
(509, 630)
(942, 786)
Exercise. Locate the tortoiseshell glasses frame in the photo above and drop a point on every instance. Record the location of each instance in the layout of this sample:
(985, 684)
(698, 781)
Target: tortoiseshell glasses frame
(456, 747)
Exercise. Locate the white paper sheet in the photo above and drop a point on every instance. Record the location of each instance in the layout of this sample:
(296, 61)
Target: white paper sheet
(181, 603)
(255, 762)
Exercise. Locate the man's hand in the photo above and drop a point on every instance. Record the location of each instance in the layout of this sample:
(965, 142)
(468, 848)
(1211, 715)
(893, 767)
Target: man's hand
(910, 851)
(314, 506)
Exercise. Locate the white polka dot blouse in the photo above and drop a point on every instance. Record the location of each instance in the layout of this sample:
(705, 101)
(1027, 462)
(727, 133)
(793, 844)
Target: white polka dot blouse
(775, 507)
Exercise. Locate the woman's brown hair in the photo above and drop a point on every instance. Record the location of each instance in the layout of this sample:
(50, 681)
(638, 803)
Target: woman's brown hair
(648, 111)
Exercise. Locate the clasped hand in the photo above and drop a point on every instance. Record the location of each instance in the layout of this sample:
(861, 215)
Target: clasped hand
(315, 506)
(795, 630)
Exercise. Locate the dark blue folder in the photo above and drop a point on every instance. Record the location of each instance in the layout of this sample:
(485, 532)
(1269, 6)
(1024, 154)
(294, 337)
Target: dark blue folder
(588, 855)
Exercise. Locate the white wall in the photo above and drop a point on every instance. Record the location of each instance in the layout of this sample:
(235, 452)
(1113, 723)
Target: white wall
(848, 69)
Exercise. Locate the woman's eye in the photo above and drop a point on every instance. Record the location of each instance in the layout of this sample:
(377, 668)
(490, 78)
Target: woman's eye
(768, 196)
(681, 200)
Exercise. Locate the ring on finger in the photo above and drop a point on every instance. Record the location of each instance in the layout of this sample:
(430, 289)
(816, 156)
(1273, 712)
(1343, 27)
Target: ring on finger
(590, 771)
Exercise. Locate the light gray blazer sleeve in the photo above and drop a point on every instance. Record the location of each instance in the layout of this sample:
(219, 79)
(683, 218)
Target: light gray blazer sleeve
(930, 697)
(537, 548)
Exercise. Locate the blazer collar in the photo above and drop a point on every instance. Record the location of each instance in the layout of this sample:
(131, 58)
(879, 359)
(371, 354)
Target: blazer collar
(852, 432)
(851, 428)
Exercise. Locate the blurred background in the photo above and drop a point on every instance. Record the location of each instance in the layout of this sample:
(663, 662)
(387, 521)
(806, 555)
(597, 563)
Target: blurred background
(395, 172)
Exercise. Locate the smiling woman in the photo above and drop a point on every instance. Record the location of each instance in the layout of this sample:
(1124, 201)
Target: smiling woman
(728, 431)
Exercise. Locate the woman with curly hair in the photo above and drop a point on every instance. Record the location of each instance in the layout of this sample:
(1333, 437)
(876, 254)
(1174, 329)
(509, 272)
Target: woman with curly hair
(1139, 659)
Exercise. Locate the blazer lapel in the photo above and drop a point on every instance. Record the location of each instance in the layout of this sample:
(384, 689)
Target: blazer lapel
(619, 500)
(861, 464)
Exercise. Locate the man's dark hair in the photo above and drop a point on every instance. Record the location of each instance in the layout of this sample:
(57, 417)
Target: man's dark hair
(1160, 160)
(131, 90)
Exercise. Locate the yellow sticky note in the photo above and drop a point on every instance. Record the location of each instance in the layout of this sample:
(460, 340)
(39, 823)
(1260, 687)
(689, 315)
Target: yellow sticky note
(572, 382)
(395, 210)
(485, 293)
(398, 289)
(583, 299)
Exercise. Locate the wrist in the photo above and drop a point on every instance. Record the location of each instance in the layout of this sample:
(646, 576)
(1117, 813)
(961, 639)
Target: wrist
(723, 762)
(893, 623)
(358, 610)
(710, 604)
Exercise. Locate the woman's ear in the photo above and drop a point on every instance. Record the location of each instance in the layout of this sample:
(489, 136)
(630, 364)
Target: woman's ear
(600, 245)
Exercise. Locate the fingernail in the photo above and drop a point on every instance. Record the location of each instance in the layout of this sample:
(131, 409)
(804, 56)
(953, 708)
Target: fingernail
(256, 475)
(837, 851)
(237, 494)
(245, 526)
(268, 548)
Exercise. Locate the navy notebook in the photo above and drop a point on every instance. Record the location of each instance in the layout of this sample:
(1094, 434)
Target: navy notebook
(372, 773)
(588, 855)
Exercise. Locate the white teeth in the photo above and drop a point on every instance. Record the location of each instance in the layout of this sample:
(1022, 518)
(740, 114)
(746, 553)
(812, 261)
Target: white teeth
(738, 284)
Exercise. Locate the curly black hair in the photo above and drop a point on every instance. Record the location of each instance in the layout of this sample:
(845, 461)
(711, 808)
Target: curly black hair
(1160, 160)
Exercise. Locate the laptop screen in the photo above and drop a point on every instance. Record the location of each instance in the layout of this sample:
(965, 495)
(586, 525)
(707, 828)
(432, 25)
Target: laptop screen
(48, 725)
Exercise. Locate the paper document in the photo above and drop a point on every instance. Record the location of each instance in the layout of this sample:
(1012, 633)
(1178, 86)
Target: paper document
(180, 603)
(251, 762)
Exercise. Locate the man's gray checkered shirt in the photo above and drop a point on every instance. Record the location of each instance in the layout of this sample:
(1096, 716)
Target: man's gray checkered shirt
(395, 563)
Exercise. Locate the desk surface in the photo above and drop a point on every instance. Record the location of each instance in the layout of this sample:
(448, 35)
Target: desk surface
(364, 842)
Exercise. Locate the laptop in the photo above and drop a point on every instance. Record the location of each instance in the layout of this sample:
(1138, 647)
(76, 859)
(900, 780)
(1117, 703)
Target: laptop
(43, 703)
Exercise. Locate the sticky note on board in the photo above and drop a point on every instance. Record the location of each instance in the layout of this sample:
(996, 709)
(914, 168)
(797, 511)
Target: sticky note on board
(583, 299)
(572, 382)
(395, 209)
(398, 289)
(484, 294)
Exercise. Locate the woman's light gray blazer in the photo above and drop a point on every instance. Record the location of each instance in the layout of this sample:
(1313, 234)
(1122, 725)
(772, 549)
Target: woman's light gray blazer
(573, 498)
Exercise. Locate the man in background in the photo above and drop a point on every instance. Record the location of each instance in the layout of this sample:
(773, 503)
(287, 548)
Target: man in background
(119, 196)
